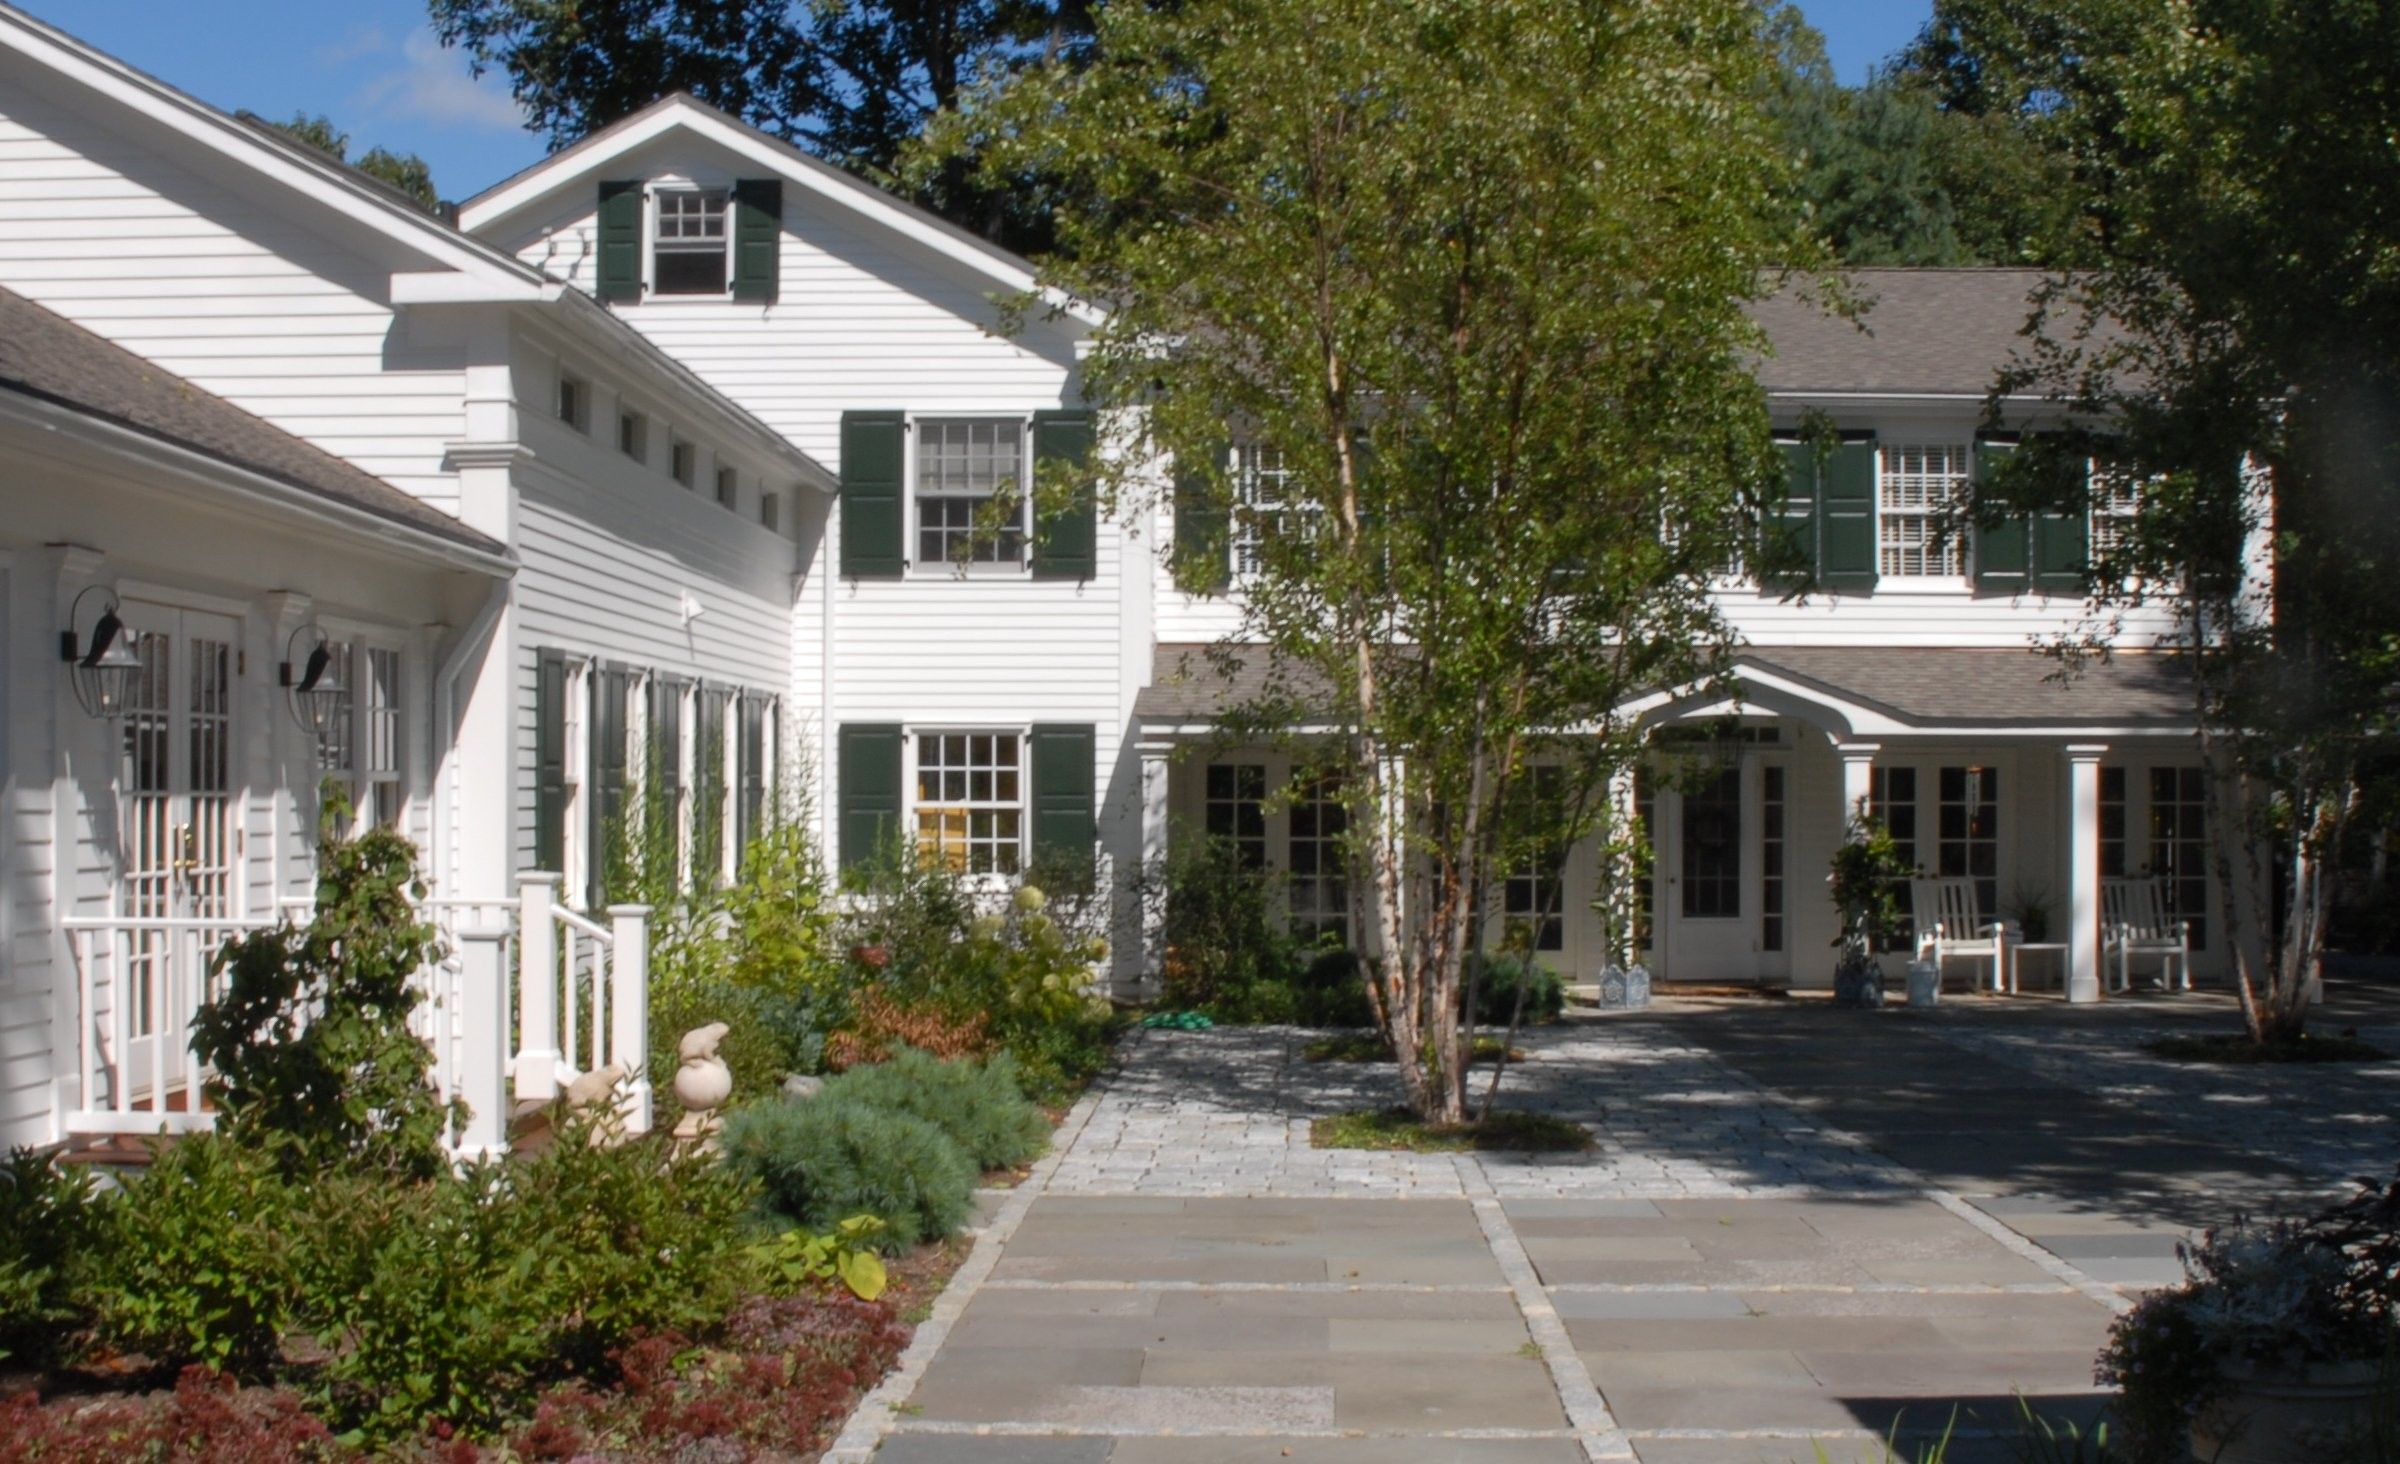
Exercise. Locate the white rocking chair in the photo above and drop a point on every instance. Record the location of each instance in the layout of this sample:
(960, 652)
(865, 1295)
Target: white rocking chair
(2134, 924)
(1948, 926)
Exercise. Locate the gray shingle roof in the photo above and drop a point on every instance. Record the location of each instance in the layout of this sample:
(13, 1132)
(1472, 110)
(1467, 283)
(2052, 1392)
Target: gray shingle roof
(1928, 687)
(1924, 331)
(45, 355)
(1935, 687)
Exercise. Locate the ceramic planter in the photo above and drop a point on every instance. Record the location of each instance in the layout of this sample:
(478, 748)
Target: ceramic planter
(1857, 982)
(2276, 1417)
(1924, 983)
(1622, 989)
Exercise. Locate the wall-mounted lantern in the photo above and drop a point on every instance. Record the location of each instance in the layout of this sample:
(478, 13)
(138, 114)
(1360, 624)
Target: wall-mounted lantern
(104, 663)
(312, 679)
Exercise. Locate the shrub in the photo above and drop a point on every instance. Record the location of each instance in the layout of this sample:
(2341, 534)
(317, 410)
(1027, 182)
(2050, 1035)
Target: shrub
(980, 1105)
(821, 1160)
(309, 1042)
(1501, 978)
(51, 1219)
(881, 1026)
(196, 1261)
(1022, 967)
(453, 1301)
(1229, 951)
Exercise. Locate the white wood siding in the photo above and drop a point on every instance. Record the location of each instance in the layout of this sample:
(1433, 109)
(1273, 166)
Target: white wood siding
(223, 280)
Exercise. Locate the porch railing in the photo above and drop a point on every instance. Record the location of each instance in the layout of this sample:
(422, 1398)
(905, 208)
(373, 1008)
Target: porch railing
(508, 971)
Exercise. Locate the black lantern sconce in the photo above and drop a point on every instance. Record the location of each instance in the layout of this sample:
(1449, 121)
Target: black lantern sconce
(105, 665)
(312, 679)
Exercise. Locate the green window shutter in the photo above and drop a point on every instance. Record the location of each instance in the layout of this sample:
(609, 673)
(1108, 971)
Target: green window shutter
(872, 453)
(2003, 545)
(750, 751)
(666, 736)
(1066, 538)
(1791, 526)
(869, 767)
(1846, 518)
(2062, 552)
(1203, 535)
(757, 233)
(1065, 822)
(550, 763)
(620, 277)
(612, 689)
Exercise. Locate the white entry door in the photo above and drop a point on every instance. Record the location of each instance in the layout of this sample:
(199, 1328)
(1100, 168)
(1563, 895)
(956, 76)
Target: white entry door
(1707, 843)
(178, 851)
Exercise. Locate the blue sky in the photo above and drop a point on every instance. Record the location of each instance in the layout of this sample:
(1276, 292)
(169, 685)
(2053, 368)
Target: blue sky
(374, 68)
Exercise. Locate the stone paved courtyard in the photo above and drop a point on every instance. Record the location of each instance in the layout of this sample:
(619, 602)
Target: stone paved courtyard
(1800, 1230)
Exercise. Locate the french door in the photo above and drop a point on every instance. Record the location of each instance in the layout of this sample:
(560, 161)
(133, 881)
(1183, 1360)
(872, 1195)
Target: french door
(1721, 890)
(178, 880)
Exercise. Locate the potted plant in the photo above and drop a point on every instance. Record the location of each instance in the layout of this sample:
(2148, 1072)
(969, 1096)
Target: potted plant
(2030, 909)
(2270, 1350)
(1864, 884)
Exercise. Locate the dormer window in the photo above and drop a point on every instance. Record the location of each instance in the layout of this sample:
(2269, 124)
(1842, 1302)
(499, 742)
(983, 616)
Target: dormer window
(688, 245)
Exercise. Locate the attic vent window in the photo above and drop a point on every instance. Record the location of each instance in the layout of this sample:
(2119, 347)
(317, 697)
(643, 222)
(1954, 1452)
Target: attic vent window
(689, 247)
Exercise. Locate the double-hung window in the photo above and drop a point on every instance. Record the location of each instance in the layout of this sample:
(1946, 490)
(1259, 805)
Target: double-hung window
(971, 504)
(687, 245)
(1918, 491)
(970, 803)
(1264, 506)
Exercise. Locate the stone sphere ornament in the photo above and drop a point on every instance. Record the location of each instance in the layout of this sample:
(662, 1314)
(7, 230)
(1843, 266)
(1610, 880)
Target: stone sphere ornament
(702, 1083)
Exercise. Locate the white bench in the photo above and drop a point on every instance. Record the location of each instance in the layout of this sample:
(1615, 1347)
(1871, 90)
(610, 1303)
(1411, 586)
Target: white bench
(2134, 925)
(1949, 926)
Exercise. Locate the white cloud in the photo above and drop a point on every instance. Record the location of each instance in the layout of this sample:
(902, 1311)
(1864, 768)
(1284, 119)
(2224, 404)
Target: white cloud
(362, 42)
(432, 85)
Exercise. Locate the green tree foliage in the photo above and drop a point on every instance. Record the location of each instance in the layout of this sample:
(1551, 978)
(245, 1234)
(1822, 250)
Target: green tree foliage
(852, 81)
(404, 172)
(2239, 162)
(1477, 272)
(1894, 173)
(308, 1043)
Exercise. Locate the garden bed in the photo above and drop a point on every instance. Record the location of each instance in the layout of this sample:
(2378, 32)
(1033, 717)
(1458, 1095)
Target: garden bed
(1506, 1132)
(1371, 1047)
(2237, 1048)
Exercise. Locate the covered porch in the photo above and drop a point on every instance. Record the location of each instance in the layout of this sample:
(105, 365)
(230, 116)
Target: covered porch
(1986, 765)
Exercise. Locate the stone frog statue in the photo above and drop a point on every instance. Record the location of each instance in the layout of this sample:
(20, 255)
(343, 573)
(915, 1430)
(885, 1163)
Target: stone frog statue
(703, 1083)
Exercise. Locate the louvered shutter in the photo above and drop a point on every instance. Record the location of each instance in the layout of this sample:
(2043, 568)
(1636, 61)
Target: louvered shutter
(613, 686)
(550, 763)
(869, 768)
(1066, 535)
(2062, 552)
(1790, 528)
(757, 237)
(2002, 545)
(1065, 822)
(619, 277)
(1203, 534)
(873, 450)
(1846, 518)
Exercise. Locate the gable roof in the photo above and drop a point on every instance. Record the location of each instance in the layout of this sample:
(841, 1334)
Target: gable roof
(1923, 332)
(52, 359)
(584, 161)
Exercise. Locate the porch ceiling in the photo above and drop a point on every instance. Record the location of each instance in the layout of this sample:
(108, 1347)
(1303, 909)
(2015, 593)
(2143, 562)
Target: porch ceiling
(1909, 688)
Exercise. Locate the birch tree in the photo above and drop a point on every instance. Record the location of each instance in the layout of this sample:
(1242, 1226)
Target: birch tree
(1436, 307)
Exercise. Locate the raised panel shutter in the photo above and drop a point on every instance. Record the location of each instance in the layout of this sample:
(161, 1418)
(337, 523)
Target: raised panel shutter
(757, 234)
(620, 267)
(1065, 822)
(550, 763)
(869, 768)
(2002, 546)
(1791, 527)
(872, 453)
(2062, 552)
(1066, 536)
(613, 686)
(1203, 535)
(1846, 518)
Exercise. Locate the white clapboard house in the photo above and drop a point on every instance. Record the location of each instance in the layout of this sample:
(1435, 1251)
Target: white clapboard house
(644, 481)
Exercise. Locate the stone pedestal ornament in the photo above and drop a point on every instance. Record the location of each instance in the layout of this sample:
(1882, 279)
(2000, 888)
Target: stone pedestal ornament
(1623, 989)
(702, 1084)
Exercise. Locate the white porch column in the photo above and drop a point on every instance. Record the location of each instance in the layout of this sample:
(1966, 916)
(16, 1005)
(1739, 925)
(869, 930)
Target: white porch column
(1858, 776)
(629, 1008)
(2083, 871)
(1155, 767)
(481, 1079)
